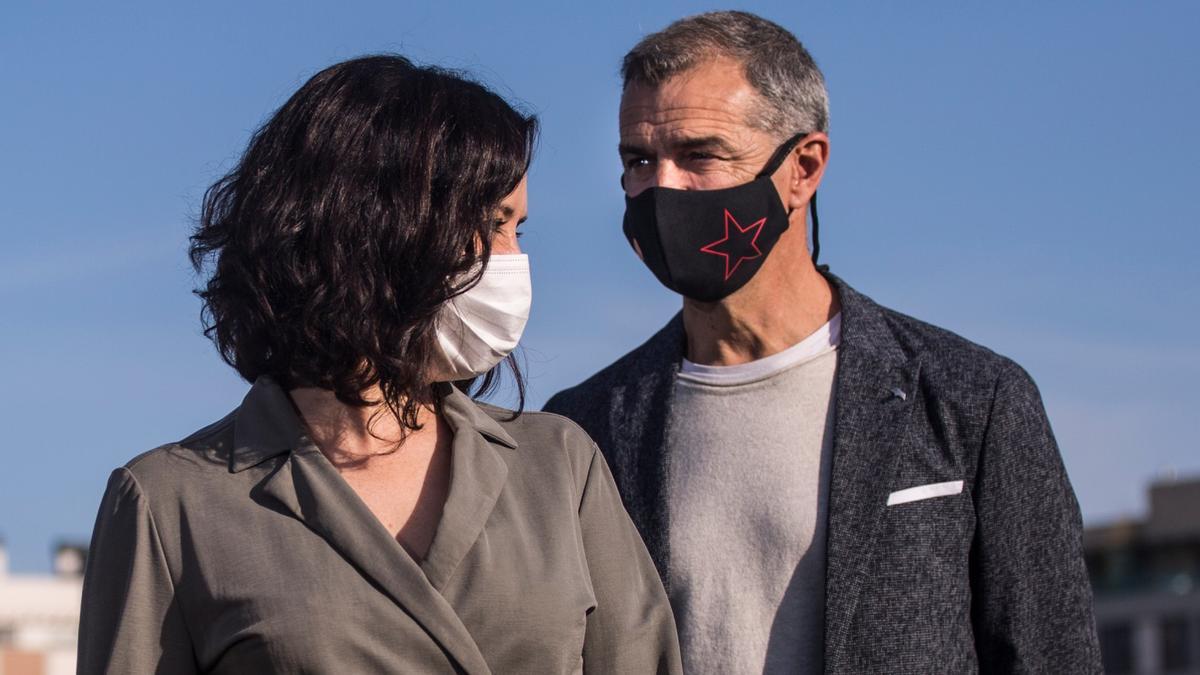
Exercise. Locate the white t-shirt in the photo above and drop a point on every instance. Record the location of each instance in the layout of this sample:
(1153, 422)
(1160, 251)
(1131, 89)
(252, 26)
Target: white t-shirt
(749, 453)
(824, 339)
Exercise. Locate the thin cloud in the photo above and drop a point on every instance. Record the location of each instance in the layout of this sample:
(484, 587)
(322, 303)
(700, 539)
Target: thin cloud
(79, 261)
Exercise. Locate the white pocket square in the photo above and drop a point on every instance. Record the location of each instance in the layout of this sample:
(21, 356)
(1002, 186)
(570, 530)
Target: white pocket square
(920, 492)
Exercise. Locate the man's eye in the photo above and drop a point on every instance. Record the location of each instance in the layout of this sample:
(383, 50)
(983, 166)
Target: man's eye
(700, 156)
(636, 162)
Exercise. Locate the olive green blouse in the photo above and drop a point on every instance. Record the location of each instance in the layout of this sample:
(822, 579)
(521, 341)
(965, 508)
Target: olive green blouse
(242, 550)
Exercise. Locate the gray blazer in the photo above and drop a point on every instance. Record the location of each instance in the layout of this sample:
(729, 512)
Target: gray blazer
(987, 579)
(242, 550)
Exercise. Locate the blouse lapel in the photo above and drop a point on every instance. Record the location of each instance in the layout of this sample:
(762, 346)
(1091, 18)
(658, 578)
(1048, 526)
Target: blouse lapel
(478, 476)
(309, 487)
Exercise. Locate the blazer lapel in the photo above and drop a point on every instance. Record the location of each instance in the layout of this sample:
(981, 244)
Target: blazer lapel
(874, 393)
(637, 454)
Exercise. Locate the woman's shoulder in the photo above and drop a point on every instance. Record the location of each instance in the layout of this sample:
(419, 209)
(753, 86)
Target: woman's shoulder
(546, 436)
(542, 430)
(173, 467)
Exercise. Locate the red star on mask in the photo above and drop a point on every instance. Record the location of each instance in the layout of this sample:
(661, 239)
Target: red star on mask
(733, 241)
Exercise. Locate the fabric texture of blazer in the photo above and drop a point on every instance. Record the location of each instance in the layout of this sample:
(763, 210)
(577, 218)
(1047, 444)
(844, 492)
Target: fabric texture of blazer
(954, 537)
(242, 550)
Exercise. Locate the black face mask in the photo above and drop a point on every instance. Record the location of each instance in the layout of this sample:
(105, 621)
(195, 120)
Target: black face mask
(706, 244)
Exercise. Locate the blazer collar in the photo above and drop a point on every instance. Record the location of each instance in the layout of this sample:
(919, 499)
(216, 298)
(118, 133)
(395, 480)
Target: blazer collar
(865, 331)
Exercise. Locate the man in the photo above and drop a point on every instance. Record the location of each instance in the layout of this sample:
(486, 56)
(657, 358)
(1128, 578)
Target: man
(826, 485)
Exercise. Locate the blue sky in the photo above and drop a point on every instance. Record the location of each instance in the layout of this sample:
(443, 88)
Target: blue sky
(1021, 173)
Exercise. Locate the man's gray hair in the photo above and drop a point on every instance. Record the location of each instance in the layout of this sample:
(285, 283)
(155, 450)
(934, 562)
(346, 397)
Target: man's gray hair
(775, 63)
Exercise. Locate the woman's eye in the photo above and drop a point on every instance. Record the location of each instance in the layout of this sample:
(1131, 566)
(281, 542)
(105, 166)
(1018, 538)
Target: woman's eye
(498, 228)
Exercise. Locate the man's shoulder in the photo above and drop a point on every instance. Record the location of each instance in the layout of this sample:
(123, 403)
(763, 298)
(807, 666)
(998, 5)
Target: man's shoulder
(960, 378)
(940, 347)
(939, 350)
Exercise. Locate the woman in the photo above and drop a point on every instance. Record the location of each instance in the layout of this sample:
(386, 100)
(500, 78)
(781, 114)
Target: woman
(357, 513)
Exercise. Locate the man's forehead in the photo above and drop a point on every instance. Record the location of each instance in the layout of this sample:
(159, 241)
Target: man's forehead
(713, 94)
(701, 109)
(686, 126)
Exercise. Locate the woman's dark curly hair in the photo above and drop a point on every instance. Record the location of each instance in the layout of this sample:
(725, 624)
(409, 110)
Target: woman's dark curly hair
(359, 208)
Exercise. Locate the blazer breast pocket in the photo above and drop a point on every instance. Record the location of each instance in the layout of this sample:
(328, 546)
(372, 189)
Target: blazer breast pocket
(926, 539)
(927, 491)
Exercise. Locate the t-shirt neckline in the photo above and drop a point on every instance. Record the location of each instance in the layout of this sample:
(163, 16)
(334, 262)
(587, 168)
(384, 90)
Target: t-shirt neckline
(821, 341)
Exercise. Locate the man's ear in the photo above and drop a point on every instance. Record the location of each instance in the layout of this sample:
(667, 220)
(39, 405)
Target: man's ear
(807, 160)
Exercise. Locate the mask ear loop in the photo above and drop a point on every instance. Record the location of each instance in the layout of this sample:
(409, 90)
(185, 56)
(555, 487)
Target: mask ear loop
(773, 165)
(816, 227)
(781, 154)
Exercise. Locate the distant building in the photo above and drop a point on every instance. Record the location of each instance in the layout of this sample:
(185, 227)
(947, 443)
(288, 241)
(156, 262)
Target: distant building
(1146, 580)
(39, 615)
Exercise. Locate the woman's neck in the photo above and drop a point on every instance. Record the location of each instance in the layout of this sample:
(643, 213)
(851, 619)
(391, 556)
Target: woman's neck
(352, 436)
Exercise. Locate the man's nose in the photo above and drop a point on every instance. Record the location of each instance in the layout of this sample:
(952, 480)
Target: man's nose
(668, 174)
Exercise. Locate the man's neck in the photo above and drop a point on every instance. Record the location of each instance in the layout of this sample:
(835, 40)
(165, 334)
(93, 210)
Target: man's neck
(759, 320)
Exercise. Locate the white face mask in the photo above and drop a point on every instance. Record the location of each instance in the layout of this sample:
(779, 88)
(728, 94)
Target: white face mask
(478, 328)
